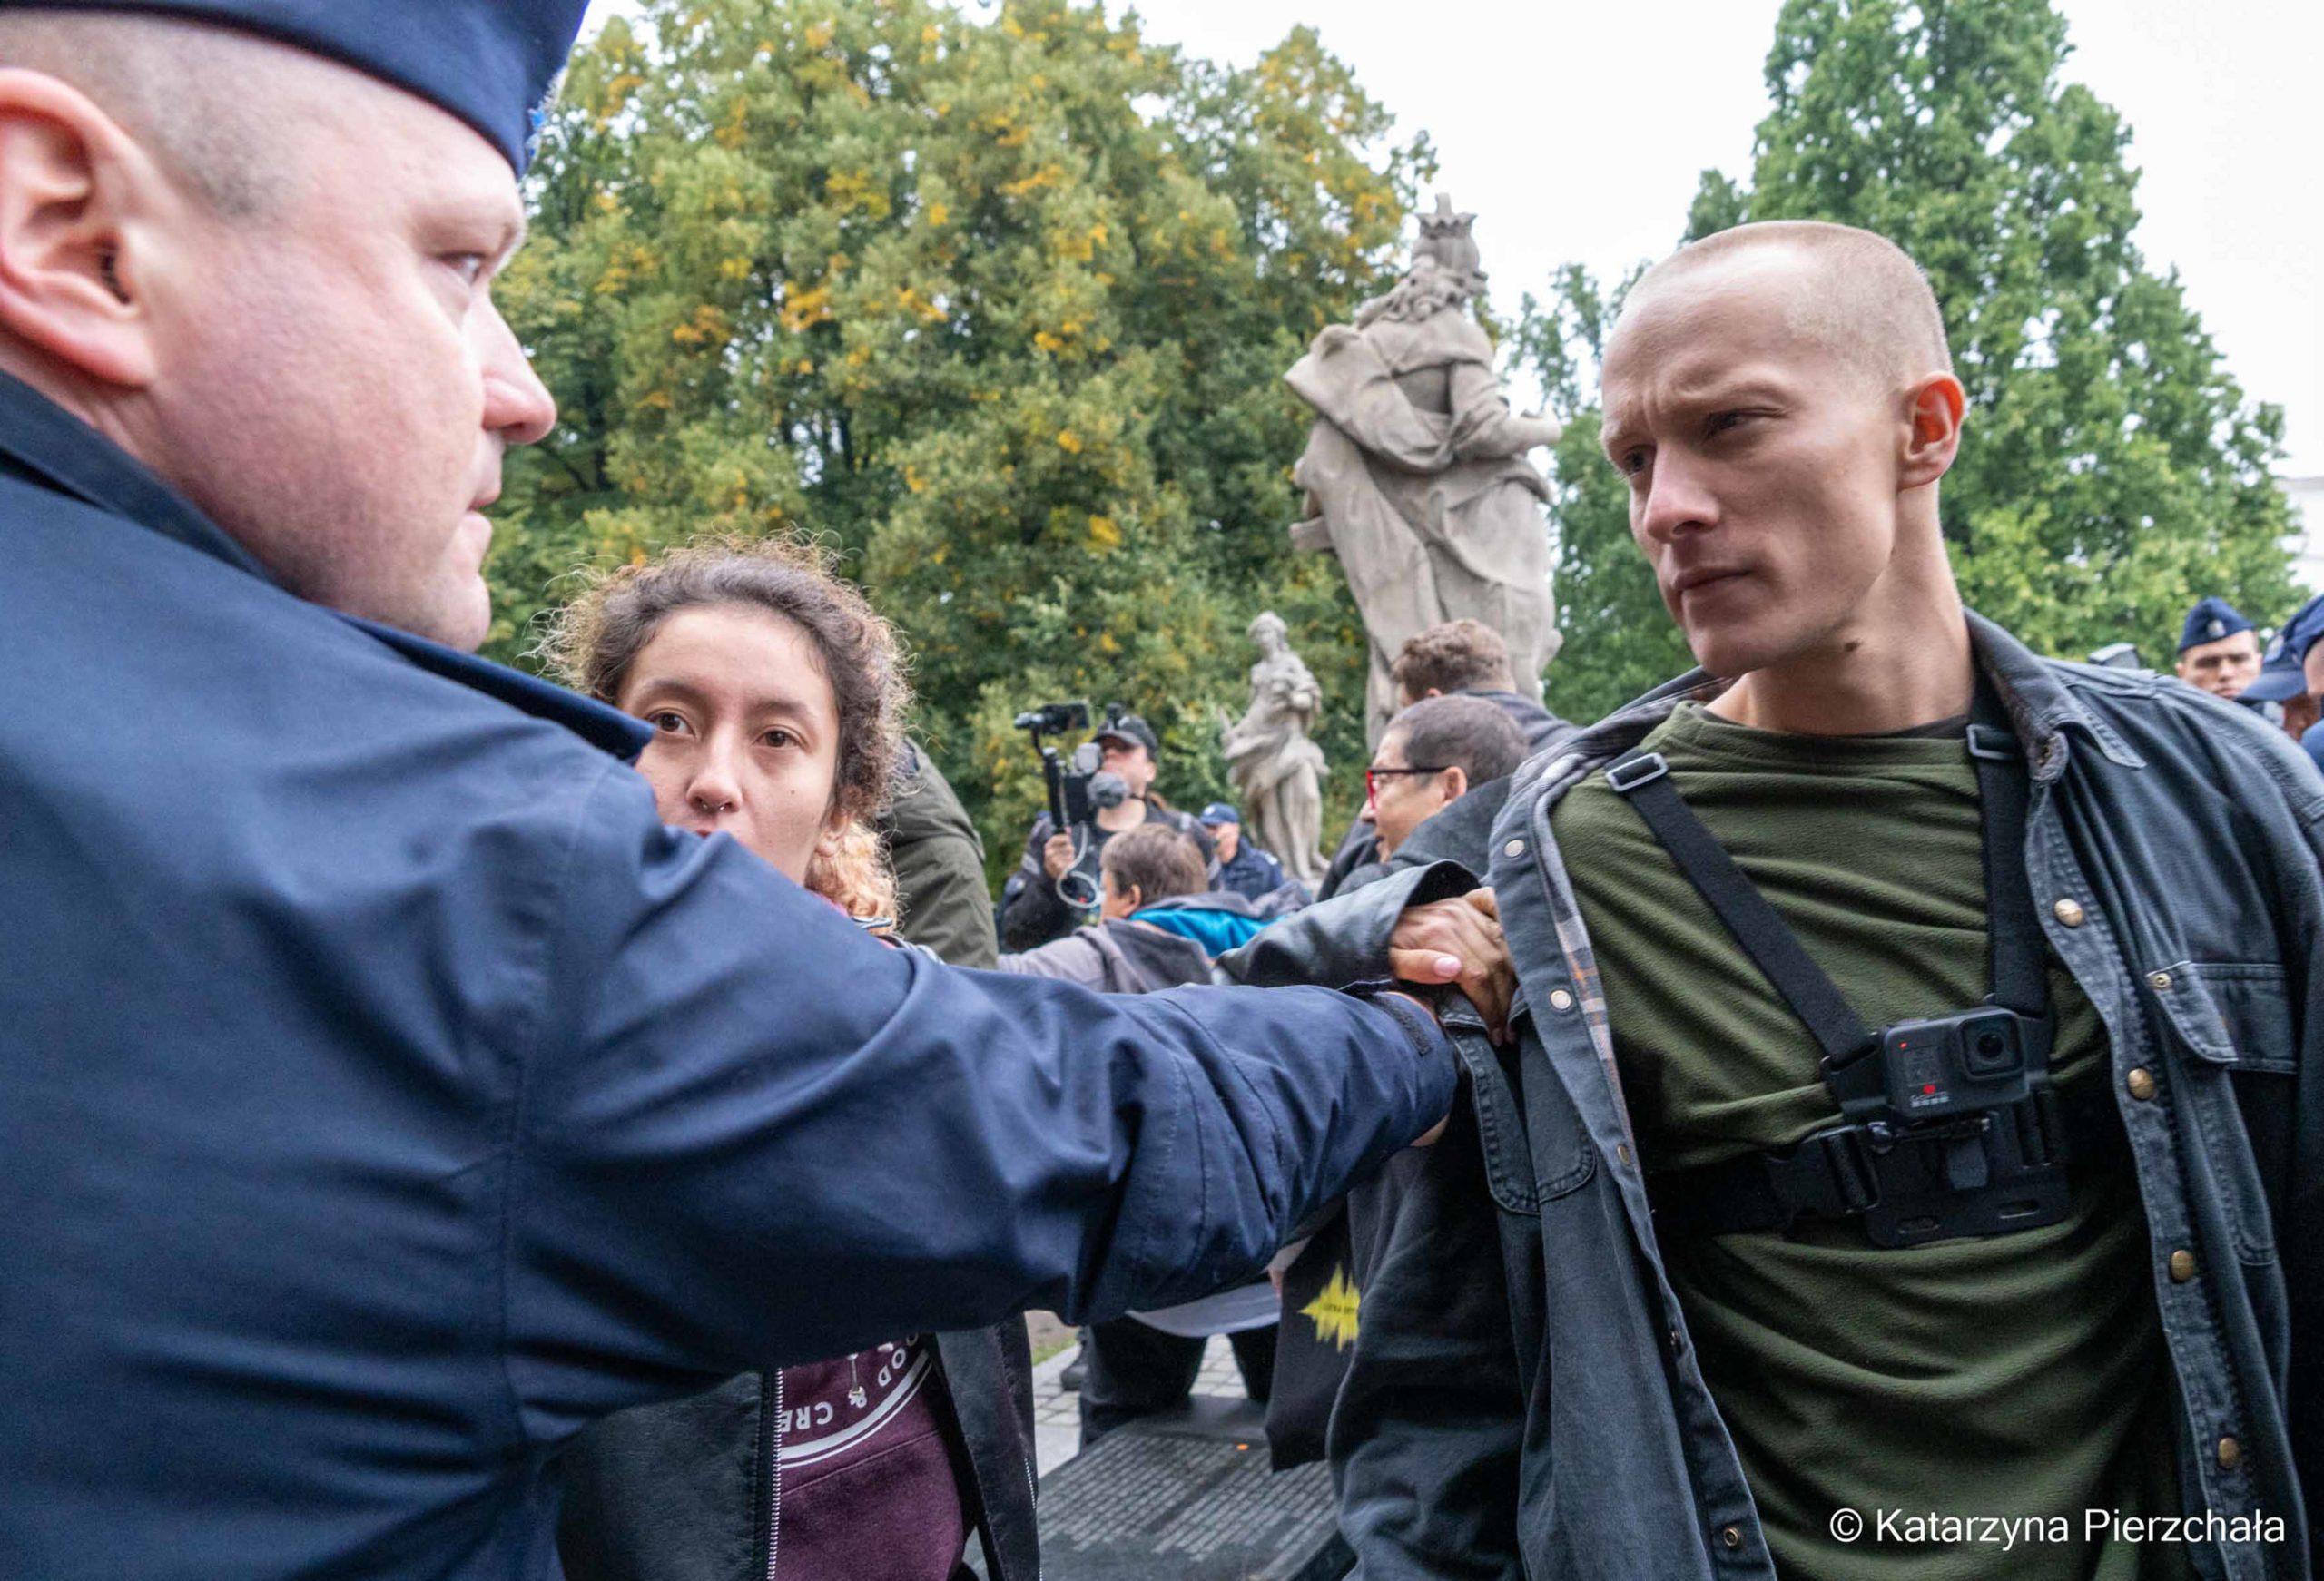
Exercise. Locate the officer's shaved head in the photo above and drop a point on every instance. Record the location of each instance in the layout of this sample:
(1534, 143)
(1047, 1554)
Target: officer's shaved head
(1853, 293)
(218, 108)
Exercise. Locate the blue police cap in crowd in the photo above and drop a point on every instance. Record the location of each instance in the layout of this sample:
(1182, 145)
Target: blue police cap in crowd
(491, 63)
(2281, 671)
(2211, 620)
(1219, 812)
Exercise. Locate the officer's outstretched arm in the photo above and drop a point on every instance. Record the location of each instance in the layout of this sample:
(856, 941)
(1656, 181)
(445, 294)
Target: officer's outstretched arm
(749, 1135)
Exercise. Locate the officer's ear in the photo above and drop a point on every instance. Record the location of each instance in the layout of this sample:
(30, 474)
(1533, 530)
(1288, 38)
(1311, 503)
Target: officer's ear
(79, 203)
(1456, 783)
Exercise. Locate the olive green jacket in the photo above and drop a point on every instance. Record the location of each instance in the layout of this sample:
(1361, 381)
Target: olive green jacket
(939, 867)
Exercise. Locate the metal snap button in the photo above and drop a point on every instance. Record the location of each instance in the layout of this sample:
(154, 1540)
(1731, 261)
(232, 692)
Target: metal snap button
(2230, 1454)
(1559, 1000)
(2158, 981)
(2140, 1081)
(2183, 1266)
(1515, 848)
(2069, 911)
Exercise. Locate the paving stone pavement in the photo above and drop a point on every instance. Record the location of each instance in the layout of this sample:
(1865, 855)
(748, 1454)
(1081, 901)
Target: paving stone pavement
(1056, 1412)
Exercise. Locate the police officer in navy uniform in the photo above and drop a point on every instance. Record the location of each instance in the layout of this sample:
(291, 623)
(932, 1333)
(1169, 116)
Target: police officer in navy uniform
(1243, 866)
(385, 1094)
(2217, 650)
(2291, 673)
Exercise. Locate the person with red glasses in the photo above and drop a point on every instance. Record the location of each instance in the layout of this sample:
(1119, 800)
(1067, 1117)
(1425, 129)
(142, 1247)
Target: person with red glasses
(1428, 757)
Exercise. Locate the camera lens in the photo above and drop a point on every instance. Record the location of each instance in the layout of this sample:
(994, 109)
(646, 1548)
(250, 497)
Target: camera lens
(1991, 1052)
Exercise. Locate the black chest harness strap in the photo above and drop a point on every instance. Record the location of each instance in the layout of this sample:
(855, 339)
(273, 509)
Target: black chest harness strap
(1950, 1126)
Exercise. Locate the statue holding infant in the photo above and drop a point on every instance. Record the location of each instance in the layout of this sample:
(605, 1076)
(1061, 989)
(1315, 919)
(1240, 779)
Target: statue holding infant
(1278, 771)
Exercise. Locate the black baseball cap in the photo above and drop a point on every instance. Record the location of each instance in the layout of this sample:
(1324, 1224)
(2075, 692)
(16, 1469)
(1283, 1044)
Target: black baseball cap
(1132, 730)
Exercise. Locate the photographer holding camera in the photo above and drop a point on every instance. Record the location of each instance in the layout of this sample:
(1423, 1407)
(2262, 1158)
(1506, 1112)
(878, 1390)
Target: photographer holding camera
(1056, 888)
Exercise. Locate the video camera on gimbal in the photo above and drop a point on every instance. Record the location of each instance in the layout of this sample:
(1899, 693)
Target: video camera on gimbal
(1077, 789)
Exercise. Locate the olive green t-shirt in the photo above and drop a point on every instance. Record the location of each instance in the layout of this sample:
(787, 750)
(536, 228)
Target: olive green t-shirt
(2019, 1375)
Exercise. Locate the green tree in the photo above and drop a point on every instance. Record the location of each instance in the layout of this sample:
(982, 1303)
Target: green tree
(1619, 638)
(1000, 308)
(2113, 471)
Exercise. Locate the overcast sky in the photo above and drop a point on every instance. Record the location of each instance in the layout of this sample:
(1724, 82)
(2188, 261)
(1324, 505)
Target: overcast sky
(1577, 133)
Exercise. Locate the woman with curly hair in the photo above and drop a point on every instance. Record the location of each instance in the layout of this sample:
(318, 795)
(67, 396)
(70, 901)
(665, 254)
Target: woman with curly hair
(776, 696)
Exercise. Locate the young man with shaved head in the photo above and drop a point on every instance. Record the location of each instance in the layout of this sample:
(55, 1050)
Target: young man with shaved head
(386, 1092)
(1912, 1160)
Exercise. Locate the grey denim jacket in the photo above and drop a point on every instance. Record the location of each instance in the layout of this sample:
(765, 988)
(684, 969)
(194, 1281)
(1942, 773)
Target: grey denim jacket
(2174, 848)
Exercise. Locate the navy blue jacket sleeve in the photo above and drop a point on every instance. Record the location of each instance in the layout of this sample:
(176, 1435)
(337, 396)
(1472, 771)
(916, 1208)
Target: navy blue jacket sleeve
(750, 1135)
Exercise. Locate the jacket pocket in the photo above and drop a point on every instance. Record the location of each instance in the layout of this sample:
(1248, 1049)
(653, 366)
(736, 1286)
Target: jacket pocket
(2235, 1015)
(1559, 1154)
(1501, 1126)
(2234, 1018)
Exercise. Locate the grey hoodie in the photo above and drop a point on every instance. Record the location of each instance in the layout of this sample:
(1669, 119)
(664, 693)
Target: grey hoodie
(1117, 957)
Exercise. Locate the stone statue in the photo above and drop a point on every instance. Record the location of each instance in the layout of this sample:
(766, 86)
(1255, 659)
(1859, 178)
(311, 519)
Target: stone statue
(1277, 771)
(1416, 472)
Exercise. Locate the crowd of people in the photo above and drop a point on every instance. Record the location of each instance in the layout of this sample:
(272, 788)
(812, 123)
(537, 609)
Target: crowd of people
(463, 1125)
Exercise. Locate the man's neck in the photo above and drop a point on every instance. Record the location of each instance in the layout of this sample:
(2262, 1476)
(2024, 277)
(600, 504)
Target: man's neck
(1872, 684)
(1128, 815)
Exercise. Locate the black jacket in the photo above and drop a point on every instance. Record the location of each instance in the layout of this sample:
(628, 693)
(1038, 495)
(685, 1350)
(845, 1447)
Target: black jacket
(684, 1492)
(1381, 1220)
(1031, 915)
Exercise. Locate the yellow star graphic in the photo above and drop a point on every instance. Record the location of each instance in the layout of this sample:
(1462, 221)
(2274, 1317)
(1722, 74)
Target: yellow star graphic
(1334, 1311)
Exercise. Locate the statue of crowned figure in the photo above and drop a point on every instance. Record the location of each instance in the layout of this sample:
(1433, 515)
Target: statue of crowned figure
(1415, 470)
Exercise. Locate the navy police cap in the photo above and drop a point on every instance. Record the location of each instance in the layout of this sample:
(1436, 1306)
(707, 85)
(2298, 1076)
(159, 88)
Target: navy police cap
(2282, 672)
(491, 63)
(2209, 620)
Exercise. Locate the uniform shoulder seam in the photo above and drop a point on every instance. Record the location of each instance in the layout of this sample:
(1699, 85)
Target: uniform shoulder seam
(556, 883)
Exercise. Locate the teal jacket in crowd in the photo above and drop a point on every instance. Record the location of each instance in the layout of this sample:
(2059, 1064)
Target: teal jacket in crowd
(385, 1094)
